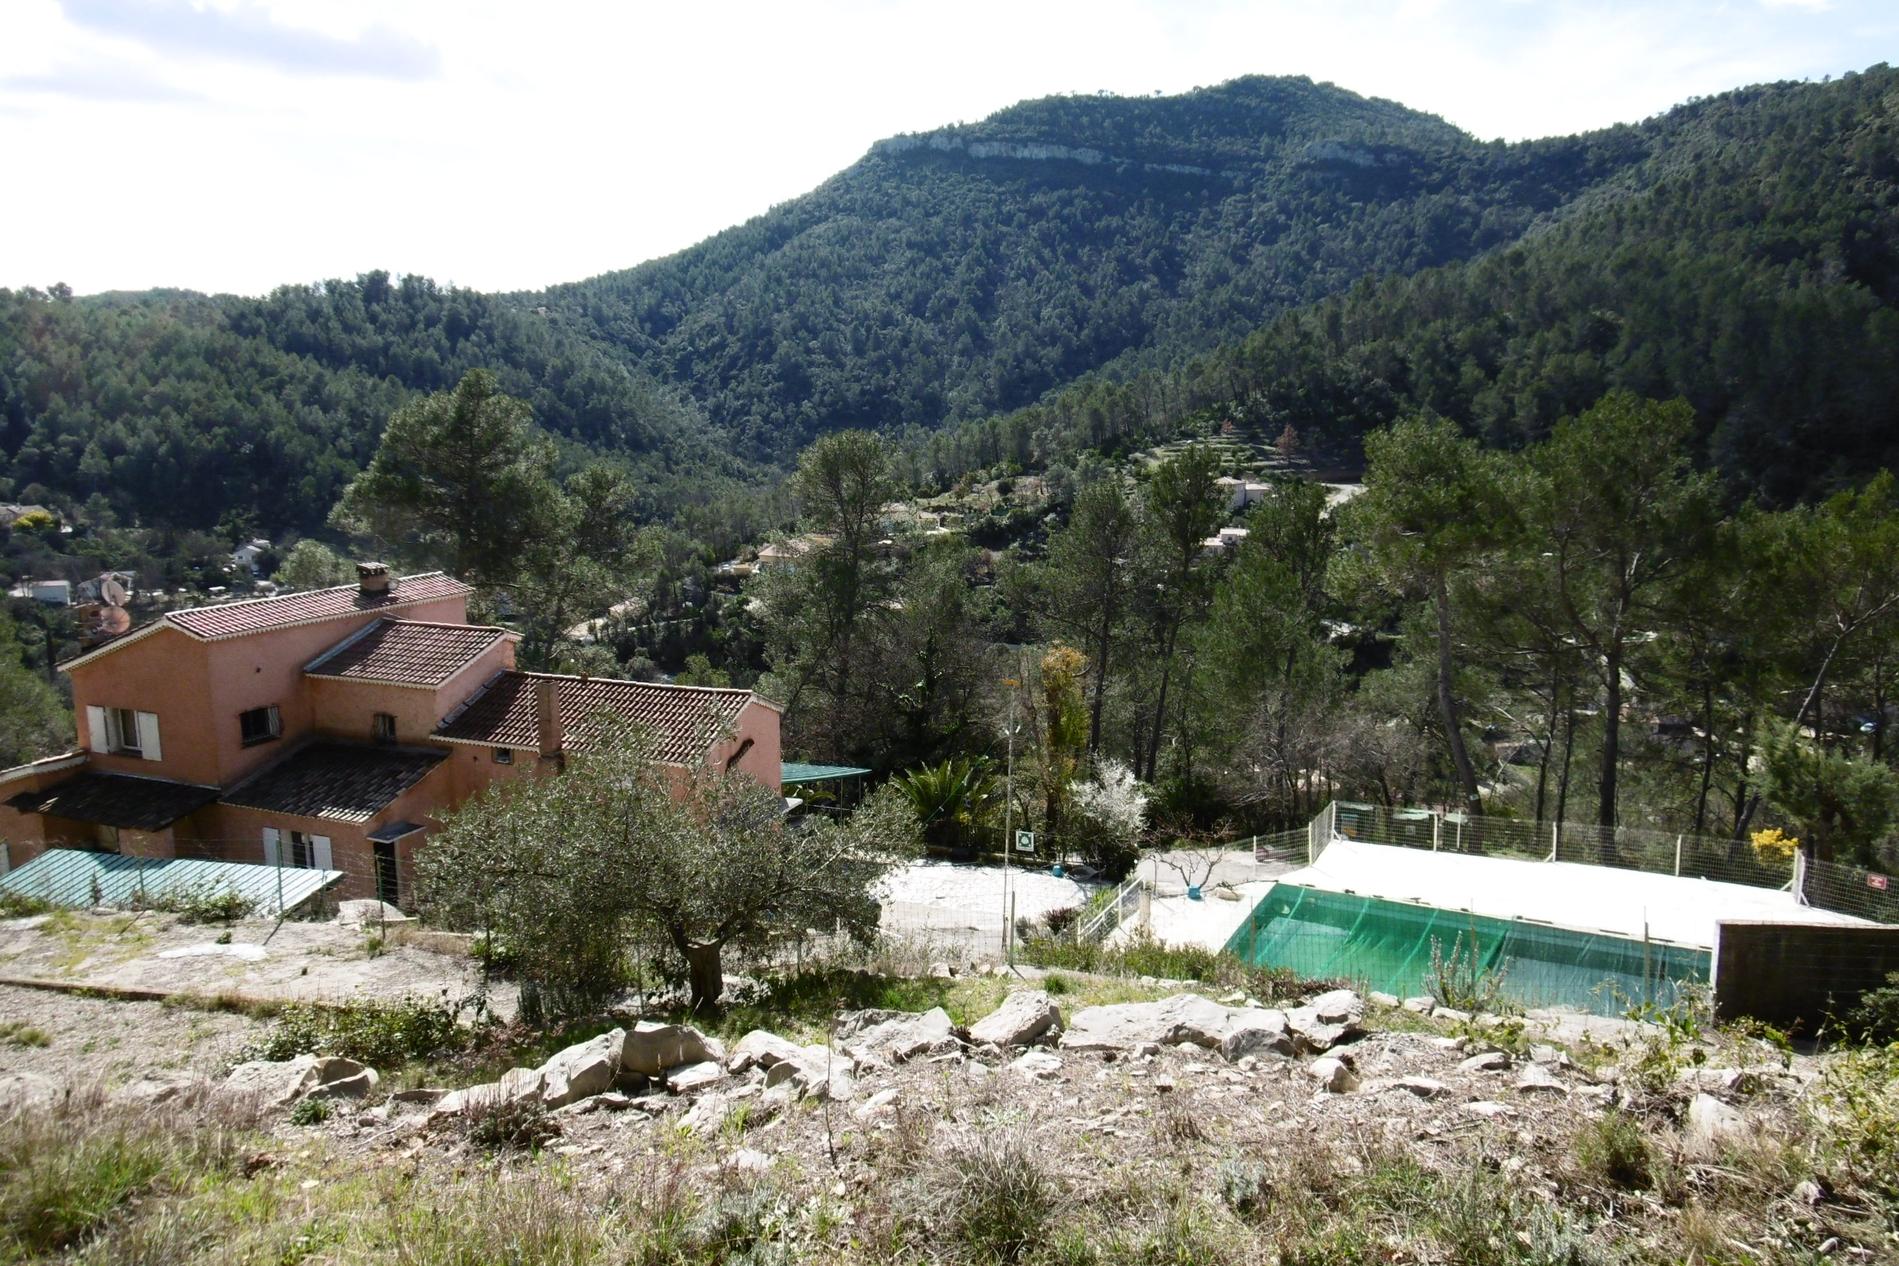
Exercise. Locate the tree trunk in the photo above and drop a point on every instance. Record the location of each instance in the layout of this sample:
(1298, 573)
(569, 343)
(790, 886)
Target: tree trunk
(705, 975)
(1101, 685)
(1447, 700)
(1160, 707)
(1562, 783)
(1707, 756)
(1611, 751)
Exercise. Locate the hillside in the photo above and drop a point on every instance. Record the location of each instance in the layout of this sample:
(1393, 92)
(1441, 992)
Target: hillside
(1749, 263)
(969, 270)
(1072, 273)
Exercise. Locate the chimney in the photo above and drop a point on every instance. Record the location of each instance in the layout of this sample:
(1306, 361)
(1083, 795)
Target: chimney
(547, 718)
(372, 577)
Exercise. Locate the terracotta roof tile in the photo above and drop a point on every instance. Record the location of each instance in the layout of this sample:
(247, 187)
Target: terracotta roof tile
(680, 718)
(140, 804)
(406, 652)
(344, 782)
(255, 615)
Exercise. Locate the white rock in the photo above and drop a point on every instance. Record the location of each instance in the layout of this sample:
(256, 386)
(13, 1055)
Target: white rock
(1710, 1123)
(357, 1085)
(1333, 1074)
(1422, 1087)
(748, 1160)
(1552, 1056)
(1533, 1077)
(1487, 1062)
(1037, 1065)
(875, 1104)
(1182, 1018)
(1489, 1108)
(273, 1083)
(368, 910)
(1420, 1004)
(651, 1048)
(1023, 1017)
(242, 952)
(1451, 1014)
(688, 1078)
(1450, 1043)
(1379, 999)
(760, 1049)
(707, 1114)
(1256, 1031)
(582, 1070)
(905, 1037)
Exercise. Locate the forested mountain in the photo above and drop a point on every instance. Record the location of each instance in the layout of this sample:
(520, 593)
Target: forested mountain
(176, 408)
(1749, 264)
(970, 270)
(1269, 251)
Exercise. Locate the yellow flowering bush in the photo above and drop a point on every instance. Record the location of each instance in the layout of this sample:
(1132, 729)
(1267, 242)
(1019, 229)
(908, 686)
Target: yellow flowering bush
(1774, 846)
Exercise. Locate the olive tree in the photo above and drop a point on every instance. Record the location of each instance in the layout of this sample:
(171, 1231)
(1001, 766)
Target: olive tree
(567, 871)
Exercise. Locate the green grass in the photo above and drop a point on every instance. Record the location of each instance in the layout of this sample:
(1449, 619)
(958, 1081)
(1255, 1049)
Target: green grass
(19, 1033)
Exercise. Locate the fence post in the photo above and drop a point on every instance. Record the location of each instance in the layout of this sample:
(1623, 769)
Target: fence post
(1437, 829)
(1800, 876)
(1553, 840)
(1678, 857)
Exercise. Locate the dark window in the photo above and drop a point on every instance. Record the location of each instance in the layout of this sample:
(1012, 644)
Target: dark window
(302, 850)
(260, 725)
(504, 756)
(122, 731)
(383, 727)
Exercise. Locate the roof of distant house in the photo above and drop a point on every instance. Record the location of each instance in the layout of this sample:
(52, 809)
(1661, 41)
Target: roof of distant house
(260, 615)
(344, 782)
(139, 804)
(406, 652)
(683, 720)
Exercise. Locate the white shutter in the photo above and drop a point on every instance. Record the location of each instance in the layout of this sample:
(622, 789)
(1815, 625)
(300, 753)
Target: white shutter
(148, 736)
(273, 851)
(96, 737)
(276, 721)
(320, 852)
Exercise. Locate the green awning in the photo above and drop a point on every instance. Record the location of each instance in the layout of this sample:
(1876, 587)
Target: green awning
(793, 773)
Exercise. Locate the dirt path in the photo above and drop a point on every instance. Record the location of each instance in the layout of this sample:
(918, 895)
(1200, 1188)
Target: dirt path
(78, 1040)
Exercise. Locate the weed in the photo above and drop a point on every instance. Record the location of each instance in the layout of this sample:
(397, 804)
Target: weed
(1462, 980)
(1875, 1020)
(385, 1034)
(503, 1124)
(989, 1196)
(311, 1112)
(1615, 1149)
(19, 1033)
(20, 905)
(1055, 983)
(372, 946)
(200, 905)
(1245, 1186)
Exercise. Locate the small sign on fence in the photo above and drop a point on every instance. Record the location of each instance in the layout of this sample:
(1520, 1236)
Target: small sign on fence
(1877, 881)
(1025, 841)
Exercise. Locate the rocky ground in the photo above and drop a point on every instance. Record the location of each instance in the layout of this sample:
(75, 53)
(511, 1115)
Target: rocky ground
(1181, 1128)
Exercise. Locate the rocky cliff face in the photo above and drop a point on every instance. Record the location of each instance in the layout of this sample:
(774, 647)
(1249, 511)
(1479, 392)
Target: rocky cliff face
(1033, 151)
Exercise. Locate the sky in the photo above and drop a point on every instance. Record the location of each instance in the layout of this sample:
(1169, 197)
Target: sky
(236, 145)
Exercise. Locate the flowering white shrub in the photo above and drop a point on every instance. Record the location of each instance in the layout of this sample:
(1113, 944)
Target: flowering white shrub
(1108, 814)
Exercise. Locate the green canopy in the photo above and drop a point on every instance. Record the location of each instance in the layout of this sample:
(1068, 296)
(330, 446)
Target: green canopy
(793, 773)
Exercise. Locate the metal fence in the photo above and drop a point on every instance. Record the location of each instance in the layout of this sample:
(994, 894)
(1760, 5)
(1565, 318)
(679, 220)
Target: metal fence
(76, 879)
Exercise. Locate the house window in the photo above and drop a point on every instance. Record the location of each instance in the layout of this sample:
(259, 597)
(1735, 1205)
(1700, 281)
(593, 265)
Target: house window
(504, 756)
(122, 732)
(382, 727)
(302, 850)
(260, 725)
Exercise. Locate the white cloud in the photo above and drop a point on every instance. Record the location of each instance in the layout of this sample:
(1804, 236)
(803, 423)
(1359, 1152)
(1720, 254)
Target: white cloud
(508, 146)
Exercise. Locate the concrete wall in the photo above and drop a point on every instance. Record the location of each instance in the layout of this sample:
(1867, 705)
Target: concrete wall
(1798, 975)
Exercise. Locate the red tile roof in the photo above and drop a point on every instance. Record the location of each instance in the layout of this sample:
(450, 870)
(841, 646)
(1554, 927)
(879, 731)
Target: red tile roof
(256, 615)
(684, 720)
(406, 652)
(343, 782)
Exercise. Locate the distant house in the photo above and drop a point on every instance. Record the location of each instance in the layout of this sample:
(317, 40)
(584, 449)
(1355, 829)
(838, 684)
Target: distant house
(332, 728)
(54, 593)
(1226, 540)
(787, 555)
(1241, 493)
(11, 513)
(96, 589)
(247, 554)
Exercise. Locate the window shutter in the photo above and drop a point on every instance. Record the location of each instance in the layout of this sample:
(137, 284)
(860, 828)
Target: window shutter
(273, 851)
(276, 721)
(148, 736)
(96, 737)
(320, 852)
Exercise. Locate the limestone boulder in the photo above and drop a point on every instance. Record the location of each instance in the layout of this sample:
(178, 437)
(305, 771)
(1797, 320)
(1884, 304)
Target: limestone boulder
(1257, 1031)
(583, 1070)
(903, 1037)
(1025, 1016)
(1185, 1018)
(1333, 1074)
(688, 1078)
(1710, 1123)
(651, 1048)
(26, 1092)
(273, 1083)
(760, 1049)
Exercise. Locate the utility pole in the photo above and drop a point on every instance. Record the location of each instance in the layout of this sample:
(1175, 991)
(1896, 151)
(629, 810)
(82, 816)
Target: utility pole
(1008, 826)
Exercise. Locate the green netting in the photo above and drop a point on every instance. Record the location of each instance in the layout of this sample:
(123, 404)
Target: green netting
(1386, 945)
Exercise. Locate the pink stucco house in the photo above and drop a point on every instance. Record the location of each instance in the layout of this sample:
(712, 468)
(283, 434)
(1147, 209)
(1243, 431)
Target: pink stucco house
(332, 729)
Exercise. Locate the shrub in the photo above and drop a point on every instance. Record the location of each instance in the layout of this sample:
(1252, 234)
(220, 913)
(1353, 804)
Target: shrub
(1615, 1149)
(384, 1034)
(20, 905)
(311, 1112)
(202, 905)
(508, 1124)
(1876, 1019)
(1461, 980)
(989, 1196)
(19, 1033)
(66, 1173)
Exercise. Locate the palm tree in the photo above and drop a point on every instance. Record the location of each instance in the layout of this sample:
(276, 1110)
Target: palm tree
(953, 798)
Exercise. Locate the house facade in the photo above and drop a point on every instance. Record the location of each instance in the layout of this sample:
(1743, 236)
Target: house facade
(333, 729)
